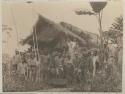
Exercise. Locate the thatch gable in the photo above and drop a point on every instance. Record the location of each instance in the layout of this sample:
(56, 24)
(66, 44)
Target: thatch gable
(50, 34)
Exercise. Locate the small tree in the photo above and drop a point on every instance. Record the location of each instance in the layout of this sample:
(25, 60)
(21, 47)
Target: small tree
(6, 29)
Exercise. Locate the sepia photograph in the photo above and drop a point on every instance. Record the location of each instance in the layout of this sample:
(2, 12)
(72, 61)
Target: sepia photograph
(62, 45)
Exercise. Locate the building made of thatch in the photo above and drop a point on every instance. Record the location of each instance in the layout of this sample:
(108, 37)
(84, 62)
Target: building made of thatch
(53, 36)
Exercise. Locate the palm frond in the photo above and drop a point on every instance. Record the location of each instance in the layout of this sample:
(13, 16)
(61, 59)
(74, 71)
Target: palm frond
(81, 12)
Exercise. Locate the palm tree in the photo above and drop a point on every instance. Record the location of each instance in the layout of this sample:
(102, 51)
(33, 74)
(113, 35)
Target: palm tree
(97, 8)
(118, 24)
(115, 32)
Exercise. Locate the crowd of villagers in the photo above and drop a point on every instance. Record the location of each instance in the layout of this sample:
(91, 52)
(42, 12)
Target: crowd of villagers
(75, 65)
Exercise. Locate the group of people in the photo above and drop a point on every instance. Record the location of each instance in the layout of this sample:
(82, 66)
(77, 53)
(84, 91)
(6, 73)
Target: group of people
(24, 64)
(76, 65)
(53, 65)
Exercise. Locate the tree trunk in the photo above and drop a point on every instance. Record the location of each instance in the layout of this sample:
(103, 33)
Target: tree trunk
(101, 37)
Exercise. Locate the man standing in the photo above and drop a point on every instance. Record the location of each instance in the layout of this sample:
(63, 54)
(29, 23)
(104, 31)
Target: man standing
(16, 60)
(95, 60)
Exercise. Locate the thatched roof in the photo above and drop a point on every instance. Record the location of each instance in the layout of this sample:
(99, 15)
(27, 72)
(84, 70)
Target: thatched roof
(49, 33)
(92, 37)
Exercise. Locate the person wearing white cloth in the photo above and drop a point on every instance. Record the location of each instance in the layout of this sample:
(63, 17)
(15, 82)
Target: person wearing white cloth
(95, 59)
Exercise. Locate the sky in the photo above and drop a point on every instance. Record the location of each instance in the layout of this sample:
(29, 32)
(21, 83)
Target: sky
(21, 16)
